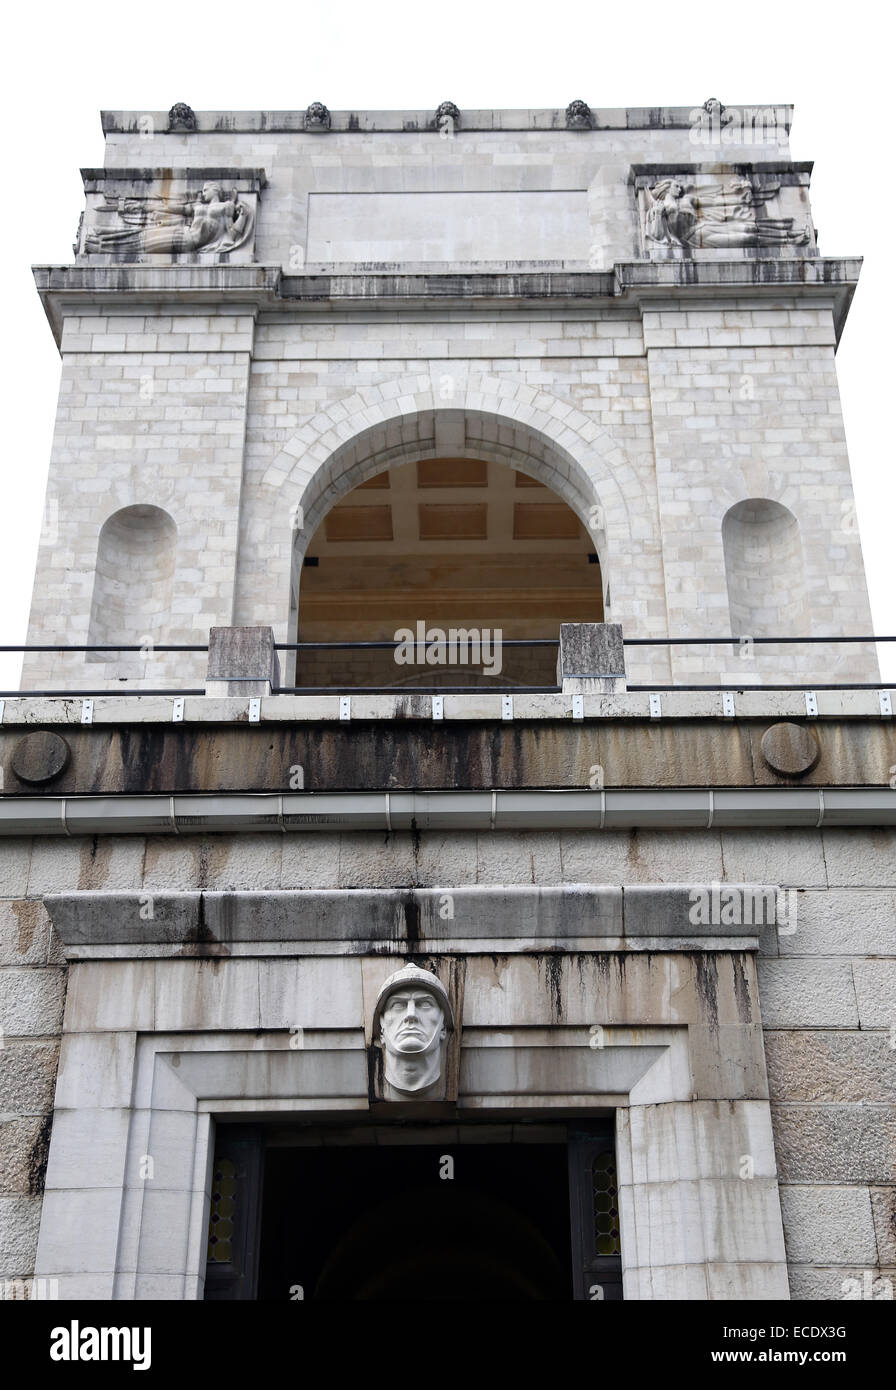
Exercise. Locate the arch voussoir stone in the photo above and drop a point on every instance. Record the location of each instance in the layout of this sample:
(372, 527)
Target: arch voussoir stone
(513, 423)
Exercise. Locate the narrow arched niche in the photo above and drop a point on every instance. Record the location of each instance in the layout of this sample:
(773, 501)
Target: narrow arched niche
(134, 579)
(764, 569)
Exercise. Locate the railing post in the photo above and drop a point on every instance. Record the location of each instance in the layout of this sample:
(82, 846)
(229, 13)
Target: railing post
(592, 659)
(241, 661)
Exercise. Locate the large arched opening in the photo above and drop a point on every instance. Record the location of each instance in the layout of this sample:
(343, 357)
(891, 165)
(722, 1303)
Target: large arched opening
(458, 558)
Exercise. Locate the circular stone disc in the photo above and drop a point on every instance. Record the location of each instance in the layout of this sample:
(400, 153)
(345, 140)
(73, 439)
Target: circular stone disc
(40, 757)
(790, 749)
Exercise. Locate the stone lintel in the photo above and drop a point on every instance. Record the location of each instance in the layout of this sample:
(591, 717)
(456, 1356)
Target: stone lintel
(673, 917)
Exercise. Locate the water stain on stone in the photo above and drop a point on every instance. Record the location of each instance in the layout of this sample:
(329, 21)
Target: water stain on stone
(633, 852)
(38, 1156)
(742, 991)
(203, 865)
(707, 979)
(553, 966)
(95, 863)
(411, 908)
(28, 913)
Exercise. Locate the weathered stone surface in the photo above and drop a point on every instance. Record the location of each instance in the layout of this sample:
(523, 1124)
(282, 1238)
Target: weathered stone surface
(27, 1076)
(789, 857)
(790, 749)
(862, 858)
(24, 1144)
(24, 932)
(320, 869)
(835, 1143)
(830, 1067)
(388, 745)
(801, 993)
(828, 1225)
(641, 856)
(875, 982)
(591, 657)
(15, 858)
(808, 1284)
(241, 661)
(883, 1208)
(843, 922)
(40, 757)
(346, 918)
(19, 1223)
(110, 861)
(524, 856)
(31, 1001)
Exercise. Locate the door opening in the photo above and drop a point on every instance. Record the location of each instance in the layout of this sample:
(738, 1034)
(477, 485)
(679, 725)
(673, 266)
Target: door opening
(398, 1212)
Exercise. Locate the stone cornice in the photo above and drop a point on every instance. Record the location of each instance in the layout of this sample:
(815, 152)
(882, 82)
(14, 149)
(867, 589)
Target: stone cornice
(78, 288)
(407, 706)
(797, 169)
(509, 920)
(545, 120)
(95, 179)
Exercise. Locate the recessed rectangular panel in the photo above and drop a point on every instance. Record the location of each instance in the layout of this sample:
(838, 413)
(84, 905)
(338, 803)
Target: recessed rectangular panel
(534, 522)
(452, 473)
(444, 522)
(523, 480)
(378, 480)
(544, 225)
(359, 524)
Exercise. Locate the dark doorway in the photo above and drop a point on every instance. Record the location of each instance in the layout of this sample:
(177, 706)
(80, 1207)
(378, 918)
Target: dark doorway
(416, 1221)
(393, 1212)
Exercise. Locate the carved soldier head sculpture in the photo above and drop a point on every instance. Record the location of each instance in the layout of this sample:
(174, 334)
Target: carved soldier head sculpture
(411, 1019)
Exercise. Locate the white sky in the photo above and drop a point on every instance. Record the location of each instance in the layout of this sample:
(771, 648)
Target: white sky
(65, 63)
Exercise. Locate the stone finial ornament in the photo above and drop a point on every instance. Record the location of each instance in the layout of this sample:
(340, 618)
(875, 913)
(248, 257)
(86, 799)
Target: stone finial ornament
(411, 1020)
(181, 117)
(447, 118)
(578, 116)
(317, 117)
(713, 107)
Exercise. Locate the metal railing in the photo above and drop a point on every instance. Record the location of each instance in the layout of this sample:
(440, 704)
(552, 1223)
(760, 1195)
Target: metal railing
(488, 684)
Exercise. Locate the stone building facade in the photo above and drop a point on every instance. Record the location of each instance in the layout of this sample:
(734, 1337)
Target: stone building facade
(564, 376)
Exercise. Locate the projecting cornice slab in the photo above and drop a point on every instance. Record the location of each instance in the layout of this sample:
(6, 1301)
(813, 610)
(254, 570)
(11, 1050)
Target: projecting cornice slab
(510, 919)
(71, 289)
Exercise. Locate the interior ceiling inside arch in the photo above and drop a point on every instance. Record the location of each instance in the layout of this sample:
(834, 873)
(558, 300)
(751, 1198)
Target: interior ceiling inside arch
(454, 542)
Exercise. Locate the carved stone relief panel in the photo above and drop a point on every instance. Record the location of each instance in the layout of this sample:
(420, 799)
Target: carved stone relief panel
(201, 216)
(762, 210)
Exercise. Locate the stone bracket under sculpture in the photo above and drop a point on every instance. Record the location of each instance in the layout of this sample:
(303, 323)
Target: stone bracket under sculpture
(758, 210)
(199, 216)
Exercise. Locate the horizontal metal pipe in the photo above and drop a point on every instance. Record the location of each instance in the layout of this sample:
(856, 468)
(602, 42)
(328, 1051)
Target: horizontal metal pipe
(234, 813)
(152, 649)
(392, 646)
(743, 689)
(735, 641)
(73, 694)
